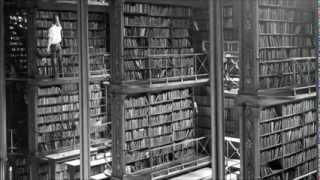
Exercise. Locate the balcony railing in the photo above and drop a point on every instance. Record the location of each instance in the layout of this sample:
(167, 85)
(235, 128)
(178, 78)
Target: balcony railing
(170, 68)
(294, 73)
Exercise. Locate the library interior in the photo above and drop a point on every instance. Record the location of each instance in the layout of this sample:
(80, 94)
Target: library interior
(159, 89)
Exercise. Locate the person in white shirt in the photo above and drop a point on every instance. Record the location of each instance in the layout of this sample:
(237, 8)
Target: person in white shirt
(54, 46)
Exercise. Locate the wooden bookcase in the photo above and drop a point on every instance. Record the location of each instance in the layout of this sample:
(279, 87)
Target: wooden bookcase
(231, 19)
(280, 137)
(278, 101)
(157, 63)
(158, 130)
(51, 104)
(155, 46)
(279, 45)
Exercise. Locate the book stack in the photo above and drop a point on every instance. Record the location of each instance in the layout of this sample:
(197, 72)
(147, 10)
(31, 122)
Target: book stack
(154, 121)
(286, 44)
(157, 42)
(288, 135)
(284, 55)
(98, 44)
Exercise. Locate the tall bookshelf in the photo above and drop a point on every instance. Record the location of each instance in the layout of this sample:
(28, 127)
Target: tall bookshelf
(280, 47)
(51, 101)
(231, 20)
(278, 102)
(157, 65)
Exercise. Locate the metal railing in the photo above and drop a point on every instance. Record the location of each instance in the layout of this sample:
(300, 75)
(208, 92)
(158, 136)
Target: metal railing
(200, 159)
(288, 73)
(170, 68)
(232, 157)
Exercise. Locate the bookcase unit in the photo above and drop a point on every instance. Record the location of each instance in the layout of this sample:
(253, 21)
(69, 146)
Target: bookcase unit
(231, 20)
(155, 44)
(158, 132)
(278, 39)
(157, 64)
(281, 137)
(278, 101)
(51, 100)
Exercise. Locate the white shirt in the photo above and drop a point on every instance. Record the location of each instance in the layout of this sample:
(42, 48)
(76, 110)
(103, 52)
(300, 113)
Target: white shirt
(55, 34)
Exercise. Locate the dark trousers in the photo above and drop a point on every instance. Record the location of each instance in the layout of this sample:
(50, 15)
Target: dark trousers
(56, 59)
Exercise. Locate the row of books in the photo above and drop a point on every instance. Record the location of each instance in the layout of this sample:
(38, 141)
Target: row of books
(135, 43)
(160, 130)
(64, 116)
(152, 22)
(58, 108)
(142, 122)
(155, 32)
(57, 90)
(285, 14)
(285, 41)
(269, 113)
(300, 158)
(284, 53)
(144, 53)
(64, 15)
(56, 145)
(270, 127)
(156, 98)
(157, 10)
(298, 107)
(144, 159)
(286, 3)
(276, 68)
(136, 134)
(276, 82)
(302, 79)
(270, 27)
(270, 140)
(72, 98)
(301, 170)
(271, 155)
(57, 126)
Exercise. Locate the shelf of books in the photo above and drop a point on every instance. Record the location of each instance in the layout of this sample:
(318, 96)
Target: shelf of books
(230, 20)
(155, 44)
(278, 102)
(158, 133)
(281, 137)
(280, 47)
(51, 87)
(157, 63)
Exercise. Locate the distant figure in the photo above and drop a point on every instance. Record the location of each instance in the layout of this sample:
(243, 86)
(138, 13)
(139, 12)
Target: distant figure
(54, 46)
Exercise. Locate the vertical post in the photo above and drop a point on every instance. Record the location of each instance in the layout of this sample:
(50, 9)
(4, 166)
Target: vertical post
(216, 83)
(3, 124)
(82, 11)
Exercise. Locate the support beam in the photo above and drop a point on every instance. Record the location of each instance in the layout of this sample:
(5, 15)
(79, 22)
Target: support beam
(216, 83)
(3, 123)
(82, 10)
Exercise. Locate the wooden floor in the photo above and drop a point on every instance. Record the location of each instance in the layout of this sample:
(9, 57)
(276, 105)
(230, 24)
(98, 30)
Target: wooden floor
(201, 174)
(204, 174)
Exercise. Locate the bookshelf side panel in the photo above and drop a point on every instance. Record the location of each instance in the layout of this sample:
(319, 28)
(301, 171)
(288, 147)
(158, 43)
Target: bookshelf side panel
(117, 115)
(116, 22)
(249, 134)
(248, 45)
